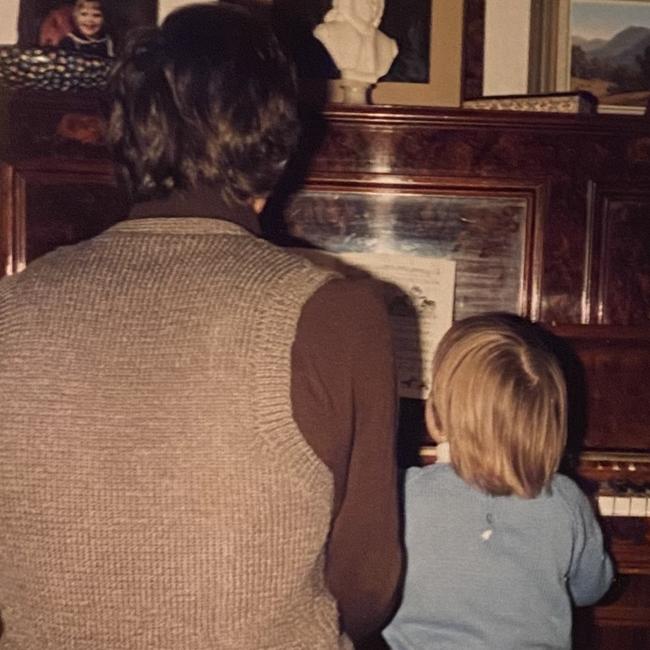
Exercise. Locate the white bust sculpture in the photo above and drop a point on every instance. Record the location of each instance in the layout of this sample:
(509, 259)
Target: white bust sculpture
(349, 33)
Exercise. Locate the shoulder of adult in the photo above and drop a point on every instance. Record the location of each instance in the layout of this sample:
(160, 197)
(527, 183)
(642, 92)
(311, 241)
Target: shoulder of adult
(343, 321)
(346, 303)
(345, 330)
(6, 286)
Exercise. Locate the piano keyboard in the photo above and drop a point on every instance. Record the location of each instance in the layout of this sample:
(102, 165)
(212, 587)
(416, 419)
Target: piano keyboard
(623, 506)
(622, 480)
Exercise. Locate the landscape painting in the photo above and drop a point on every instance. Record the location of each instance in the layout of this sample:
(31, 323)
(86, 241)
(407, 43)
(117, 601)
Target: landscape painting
(610, 52)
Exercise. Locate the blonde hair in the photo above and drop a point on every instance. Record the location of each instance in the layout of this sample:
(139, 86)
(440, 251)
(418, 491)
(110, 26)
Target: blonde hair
(499, 397)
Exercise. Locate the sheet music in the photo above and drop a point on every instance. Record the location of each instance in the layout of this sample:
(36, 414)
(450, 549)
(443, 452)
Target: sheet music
(419, 295)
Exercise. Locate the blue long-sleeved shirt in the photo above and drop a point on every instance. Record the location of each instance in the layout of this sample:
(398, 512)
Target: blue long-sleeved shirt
(495, 572)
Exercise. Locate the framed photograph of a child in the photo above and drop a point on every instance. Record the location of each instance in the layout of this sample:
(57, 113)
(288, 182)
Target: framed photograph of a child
(93, 27)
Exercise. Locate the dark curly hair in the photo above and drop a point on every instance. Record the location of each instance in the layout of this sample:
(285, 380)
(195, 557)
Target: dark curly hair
(208, 97)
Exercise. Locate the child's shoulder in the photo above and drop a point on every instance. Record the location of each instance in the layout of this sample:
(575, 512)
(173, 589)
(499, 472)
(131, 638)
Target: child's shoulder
(419, 477)
(565, 486)
(569, 493)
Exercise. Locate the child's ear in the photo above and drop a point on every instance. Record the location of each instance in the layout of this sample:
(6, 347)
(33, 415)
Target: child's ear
(433, 421)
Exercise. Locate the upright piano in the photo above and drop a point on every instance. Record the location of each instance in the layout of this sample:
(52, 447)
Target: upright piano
(545, 215)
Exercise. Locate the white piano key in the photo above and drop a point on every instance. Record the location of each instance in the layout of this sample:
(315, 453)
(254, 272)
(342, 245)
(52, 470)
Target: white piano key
(638, 507)
(622, 506)
(606, 505)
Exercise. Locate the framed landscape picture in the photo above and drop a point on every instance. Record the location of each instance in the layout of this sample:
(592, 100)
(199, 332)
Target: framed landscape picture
(610, 53)
(599, 46)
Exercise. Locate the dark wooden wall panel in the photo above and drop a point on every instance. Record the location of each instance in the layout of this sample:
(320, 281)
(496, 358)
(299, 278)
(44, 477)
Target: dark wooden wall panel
(624, 296)
(49, 203)
(616, 364)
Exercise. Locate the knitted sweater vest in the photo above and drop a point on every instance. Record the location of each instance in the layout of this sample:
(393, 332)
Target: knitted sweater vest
(155, 491)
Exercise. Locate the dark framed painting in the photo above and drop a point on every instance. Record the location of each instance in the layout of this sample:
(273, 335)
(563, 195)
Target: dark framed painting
(46, 23)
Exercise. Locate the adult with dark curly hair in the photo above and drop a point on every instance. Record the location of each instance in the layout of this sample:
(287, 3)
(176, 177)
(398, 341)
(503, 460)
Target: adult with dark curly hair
(197, 427)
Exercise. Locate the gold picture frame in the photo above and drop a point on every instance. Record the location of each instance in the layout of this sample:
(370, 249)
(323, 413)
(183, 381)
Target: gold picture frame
(551, 49)
(549, 46)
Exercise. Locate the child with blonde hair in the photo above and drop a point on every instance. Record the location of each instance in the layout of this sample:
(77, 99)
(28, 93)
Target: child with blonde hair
(500, 546)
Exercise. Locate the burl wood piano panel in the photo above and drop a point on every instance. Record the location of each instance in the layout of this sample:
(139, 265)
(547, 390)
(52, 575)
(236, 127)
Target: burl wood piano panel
(586, 179)
(56, 182)
(45, 208)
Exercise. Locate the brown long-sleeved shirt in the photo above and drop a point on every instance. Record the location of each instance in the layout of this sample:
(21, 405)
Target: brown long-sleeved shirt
(344, 402)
